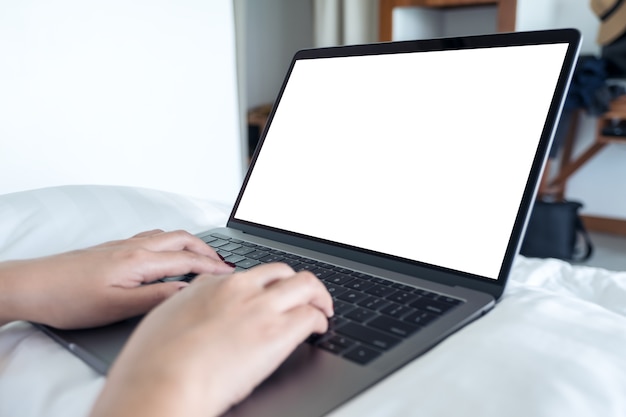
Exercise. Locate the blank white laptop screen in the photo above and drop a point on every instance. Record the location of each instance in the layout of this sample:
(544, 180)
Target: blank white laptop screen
(424, 155)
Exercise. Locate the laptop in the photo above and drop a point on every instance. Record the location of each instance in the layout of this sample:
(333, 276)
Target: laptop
(402, 175)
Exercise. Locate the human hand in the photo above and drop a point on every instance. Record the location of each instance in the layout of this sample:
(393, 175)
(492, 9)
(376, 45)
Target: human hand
(102, 284)
(206, 348)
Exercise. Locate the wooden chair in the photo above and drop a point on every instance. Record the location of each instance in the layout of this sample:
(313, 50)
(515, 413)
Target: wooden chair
(555, 187)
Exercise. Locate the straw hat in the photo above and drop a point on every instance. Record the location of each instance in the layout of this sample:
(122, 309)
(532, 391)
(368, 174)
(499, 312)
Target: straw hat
(612, 14)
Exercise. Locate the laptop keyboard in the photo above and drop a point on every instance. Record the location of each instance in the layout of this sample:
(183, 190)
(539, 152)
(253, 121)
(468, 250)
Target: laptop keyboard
(372, 314)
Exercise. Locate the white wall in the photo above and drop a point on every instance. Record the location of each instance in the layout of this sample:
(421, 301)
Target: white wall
(601, 183)
(130, 92)
(554, 14)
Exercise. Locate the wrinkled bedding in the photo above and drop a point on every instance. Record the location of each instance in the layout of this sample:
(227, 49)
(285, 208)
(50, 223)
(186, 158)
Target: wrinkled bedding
(554, 345)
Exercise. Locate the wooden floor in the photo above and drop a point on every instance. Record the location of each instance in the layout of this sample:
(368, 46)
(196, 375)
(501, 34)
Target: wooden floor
(609, 252)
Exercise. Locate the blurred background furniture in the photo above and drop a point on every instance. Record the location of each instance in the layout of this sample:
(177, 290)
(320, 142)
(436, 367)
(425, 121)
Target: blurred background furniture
(608, 131)
(505, 20)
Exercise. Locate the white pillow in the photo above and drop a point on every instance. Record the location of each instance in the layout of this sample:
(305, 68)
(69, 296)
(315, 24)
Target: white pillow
(52, 220)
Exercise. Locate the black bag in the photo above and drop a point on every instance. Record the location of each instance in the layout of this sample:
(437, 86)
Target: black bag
(615, 56)
(555, 230)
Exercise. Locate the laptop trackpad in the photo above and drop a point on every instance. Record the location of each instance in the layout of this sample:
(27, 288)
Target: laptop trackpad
(308, 372)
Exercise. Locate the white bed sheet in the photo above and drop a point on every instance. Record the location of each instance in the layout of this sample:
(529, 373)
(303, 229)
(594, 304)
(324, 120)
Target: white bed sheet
(554, 345)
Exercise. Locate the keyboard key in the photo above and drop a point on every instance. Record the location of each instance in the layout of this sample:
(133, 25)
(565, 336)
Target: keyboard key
(294, 263)
(219, 242)
(361, 275)
(424, 293)
(341, 307)
(335, 344)
(321, 273)
(336, 322)
(257, 254)
(304, 266)
(449, 300)
(352, 296)
(359, 284)
(243, 250)
(175, 278)
(372, 337)
(402, 297)
(271, 258)
(338, 279)
(362, 355)
(308, 261)
(335, 290)
(222, 253)
(380, 290)
(431, 306)
(397, 310)
(331, 347)
(189, 277)
(420, 318)
(208, 239)
(247, 263)
(393, 326)
(230, 247)
(341, 341)
(381, 281)
(361, 315)
(234, 258)
(374, 303)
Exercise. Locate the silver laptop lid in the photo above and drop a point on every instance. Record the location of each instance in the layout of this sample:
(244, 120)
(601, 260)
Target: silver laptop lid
(421, 154)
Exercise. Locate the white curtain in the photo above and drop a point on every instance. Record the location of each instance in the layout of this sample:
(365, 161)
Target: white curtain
(344, 22)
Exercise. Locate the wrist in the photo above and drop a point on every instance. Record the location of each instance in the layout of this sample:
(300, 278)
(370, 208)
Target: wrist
(155, 394)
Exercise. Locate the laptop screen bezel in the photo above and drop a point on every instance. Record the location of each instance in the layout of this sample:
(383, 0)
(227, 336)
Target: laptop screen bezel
(571, 37)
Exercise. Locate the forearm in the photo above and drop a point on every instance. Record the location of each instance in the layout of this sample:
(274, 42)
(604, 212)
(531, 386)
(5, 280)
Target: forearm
(9, 292)
(26, 293)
